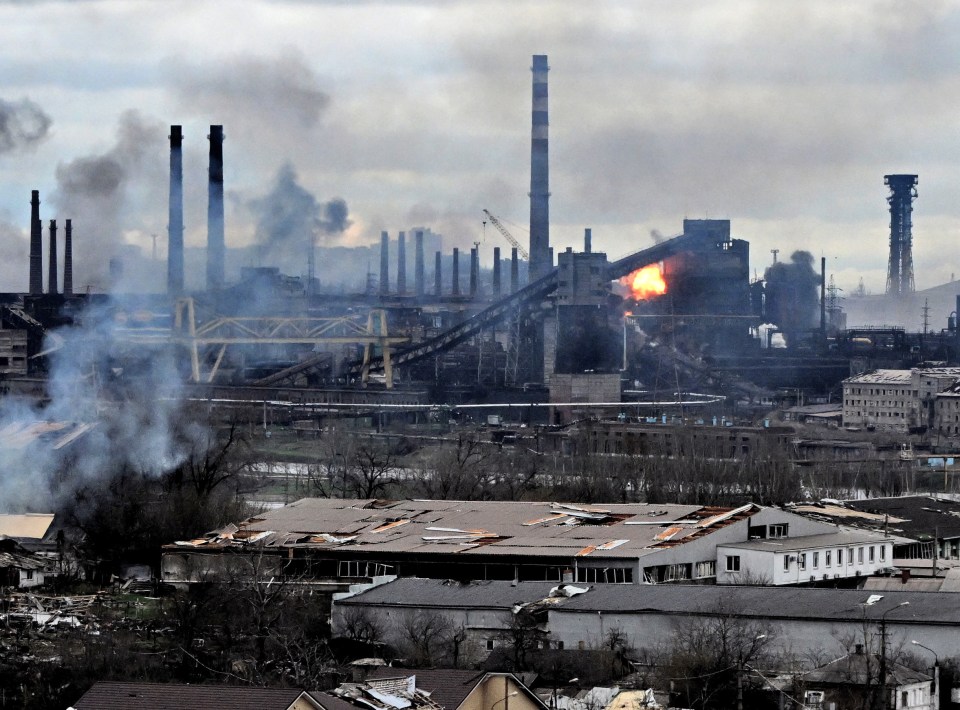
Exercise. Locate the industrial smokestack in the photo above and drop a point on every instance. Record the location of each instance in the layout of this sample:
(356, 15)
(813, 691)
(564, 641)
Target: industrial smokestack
(36, 245)
(402, 264)
(52, 266)
(418, 265)
(455, 289)
(903, 190)
(540, 260)
(823, 296)
(68, 259)
(496, 272)
(384, 264)
(587, 240)
(514, 270)
(175, 220)
(474, 271)
(438, 275)
(215, 241)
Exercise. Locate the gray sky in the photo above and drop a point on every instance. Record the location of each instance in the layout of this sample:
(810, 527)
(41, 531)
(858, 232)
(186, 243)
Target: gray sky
(780, 115)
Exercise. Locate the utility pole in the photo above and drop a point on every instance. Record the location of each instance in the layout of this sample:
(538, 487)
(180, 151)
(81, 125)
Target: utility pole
(774, 252)
(926, 316)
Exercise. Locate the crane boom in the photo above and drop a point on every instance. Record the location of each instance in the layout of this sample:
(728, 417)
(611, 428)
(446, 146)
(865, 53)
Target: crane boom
(506, 235)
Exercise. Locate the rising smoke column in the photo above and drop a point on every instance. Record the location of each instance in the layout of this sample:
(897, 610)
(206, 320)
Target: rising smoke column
(100, 191)
(134, 416)
(289, 219)
(23, 124)
(792, 302)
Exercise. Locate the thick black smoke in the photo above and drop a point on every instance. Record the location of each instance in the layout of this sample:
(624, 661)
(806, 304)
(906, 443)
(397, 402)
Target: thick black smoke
(290, 218)
(23, 124)
(791, 294)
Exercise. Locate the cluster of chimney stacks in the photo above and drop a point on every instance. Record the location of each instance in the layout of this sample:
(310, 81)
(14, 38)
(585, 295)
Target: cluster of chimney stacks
(36, 253)
(216, 245)
(419, 288)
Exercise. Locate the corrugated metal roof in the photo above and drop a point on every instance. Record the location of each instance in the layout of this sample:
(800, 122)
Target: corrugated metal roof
(475, 527)
(881, 377)
(785, 544)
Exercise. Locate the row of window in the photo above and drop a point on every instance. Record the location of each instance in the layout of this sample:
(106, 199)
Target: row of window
(828, 557)
(733, 561)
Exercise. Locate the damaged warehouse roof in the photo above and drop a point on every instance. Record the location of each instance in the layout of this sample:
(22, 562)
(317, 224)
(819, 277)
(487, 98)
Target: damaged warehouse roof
(627, 530)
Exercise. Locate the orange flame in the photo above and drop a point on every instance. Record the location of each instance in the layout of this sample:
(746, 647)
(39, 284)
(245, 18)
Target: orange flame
(645, 283)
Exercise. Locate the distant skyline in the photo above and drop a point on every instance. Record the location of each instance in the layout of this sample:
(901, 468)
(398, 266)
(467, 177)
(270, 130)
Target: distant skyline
(780, 116)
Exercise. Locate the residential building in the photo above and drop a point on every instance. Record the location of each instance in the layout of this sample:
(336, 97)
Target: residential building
(181, 696)
(18, 567)
(854, 680)
(895, 400)
(430, 689)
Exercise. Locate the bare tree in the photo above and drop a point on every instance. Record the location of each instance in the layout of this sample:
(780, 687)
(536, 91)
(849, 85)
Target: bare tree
(708, 655)
(425, 636)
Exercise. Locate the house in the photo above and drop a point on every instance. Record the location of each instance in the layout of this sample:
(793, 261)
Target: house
(333, 543)
(18, 567)
(180, 696)
(449, 689)
(854, 681)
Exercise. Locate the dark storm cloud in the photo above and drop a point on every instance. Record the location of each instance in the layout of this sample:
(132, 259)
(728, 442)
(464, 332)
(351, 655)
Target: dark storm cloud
(23, 124)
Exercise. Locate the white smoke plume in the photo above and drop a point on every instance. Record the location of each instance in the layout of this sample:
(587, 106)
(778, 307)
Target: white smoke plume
(131, 416)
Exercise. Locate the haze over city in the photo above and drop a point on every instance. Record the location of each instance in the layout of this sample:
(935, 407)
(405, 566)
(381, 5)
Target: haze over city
(782, 117)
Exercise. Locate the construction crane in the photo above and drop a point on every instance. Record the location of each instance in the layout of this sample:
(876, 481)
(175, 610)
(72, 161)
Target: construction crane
(506, 235)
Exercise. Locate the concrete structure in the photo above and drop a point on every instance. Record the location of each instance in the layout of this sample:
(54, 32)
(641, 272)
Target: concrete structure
(175, 218)
(13, 352)
(800, 622)
(402, 264)
(68, 259)
(36, 245)
(384, 264)
(778, 560)
(582, 389)
(896, 400)
(52, 276)
(216, 247)
(418, 265)
(540, 259)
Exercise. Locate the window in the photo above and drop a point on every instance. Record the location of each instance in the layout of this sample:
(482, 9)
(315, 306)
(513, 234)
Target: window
(778, 530)
(840, 556)
(802, 559)
(883, 552)
(29, 574)
(816, 560)
(491, 644)
(873, 553)
(706, 569)
(860, 555)
(605, 575)
(826, 558)
(786, 563)
(733, 563)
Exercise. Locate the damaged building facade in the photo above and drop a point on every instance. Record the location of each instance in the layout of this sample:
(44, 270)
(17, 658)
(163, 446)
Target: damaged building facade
(342, 542)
